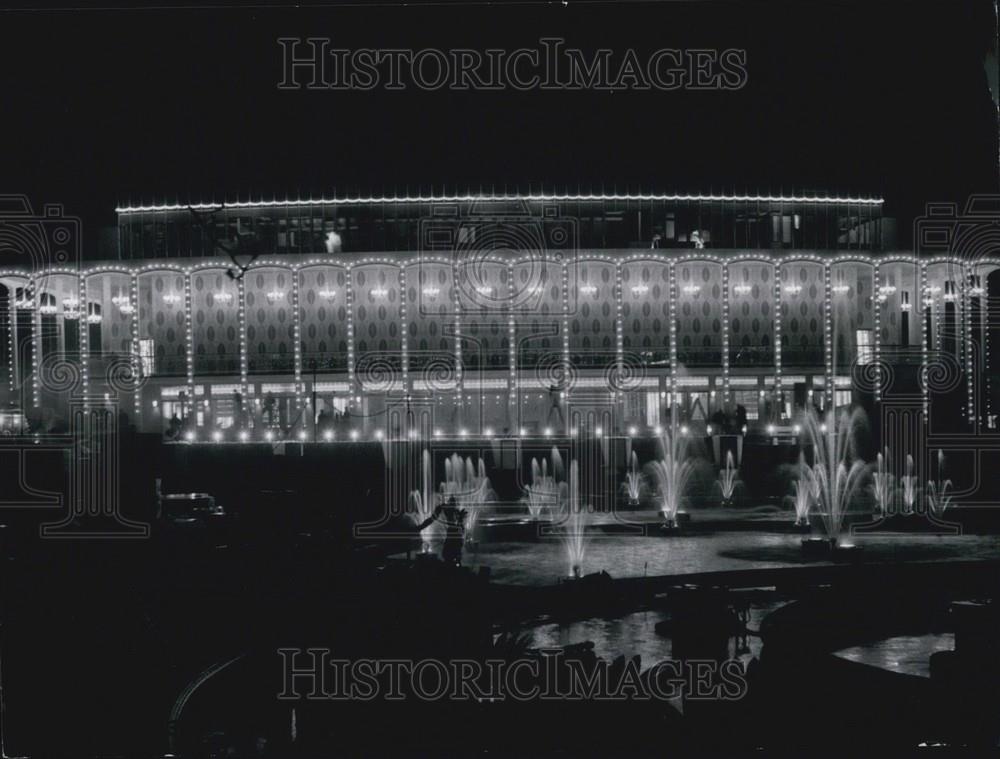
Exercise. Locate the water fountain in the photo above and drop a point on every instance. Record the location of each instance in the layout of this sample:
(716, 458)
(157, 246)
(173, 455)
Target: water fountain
(806, 492)
(633, 480)
(728, 480)
(543, 493)
(836, 467)
(468, 484)
(672, 472)
(909, 487)
(938, 496)
(882, 486)
(422, 501)
(573, 523)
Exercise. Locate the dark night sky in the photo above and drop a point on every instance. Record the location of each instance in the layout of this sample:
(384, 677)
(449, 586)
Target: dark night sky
(107, 106)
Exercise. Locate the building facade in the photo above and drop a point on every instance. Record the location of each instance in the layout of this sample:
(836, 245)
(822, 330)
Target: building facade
(480, 315)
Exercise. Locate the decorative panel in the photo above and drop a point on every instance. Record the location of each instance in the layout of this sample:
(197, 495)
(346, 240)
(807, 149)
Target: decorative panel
(802, 293)
(752, 313)
(161, 318)
(592, 314)
(323, 307)
(645, 308)
(215, 306)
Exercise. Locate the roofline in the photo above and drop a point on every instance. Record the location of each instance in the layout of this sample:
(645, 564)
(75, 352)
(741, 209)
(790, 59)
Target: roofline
(359, 200)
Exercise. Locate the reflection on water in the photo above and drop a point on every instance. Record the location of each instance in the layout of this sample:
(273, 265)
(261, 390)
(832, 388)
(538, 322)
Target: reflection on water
(632, 635)
(904, 654)
(543, 562)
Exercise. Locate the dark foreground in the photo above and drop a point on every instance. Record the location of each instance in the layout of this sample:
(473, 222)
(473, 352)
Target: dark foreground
(173, 644)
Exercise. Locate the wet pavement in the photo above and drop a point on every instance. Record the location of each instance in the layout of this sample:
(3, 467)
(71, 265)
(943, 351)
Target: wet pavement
(903, 654)
(546, 562)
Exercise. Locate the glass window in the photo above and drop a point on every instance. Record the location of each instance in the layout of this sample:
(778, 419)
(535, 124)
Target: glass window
(864, 343)
(748, 399)
(146, 355)
(652, 408)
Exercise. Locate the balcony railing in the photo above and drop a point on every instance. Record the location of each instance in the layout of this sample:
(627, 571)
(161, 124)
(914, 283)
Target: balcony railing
(170, 366)
(498, 360)
(700, 357)
(271, 363)
(324, 362)
(229, 364)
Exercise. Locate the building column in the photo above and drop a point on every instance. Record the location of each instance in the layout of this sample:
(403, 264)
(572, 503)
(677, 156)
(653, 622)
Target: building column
(725, 335)
(778, 305)
(828, 337)
(241, 316)
(136, 358)
(877, 337)
(36, 329)
(189, 348)
(925, 310)
(965, 298)
(513, 407)
(619, 324)
(563, 400)
(977, 360)
(83, 330)
(459, 385)
(673, 346)
(12, 368)
(297, 353)
(349, 296)
(404, 349)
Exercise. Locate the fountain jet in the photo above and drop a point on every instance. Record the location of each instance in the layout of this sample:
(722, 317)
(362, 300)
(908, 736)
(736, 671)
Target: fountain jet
(836, 467)
(909, 485)
(468, 484)
(938, 495)
(882, 485)
(806, 488)
(543, 492)
(633, 480)
(422, 500)
(574, 519)
(672, 472)
(728, 479)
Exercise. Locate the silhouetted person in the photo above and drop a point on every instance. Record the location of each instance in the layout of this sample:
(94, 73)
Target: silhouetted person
(173, 428)
(323, 422)
(238, 416)
(269, 409)
(454, 536)
(453, 519)
(720, 422)
(741, 416)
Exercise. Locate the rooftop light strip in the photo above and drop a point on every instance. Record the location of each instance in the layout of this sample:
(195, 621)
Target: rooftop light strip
(166, 207)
